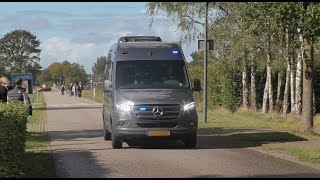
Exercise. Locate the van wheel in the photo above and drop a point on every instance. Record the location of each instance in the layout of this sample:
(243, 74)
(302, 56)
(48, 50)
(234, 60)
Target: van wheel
(191, 141)
(116, 143)
(107, 135)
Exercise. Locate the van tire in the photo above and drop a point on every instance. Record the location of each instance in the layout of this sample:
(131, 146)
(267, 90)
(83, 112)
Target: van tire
(116, 143)
(191, 141)
(107, 135)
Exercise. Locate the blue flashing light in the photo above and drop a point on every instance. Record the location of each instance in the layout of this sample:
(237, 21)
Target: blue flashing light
(142, 109)
(175, 52)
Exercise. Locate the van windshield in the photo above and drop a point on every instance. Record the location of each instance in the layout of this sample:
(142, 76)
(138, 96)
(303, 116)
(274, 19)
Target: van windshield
(151, 74)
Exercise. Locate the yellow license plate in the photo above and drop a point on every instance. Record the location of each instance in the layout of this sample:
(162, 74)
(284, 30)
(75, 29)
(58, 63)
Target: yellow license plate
(158, 133)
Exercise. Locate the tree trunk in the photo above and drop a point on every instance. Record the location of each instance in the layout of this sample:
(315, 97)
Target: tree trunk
(245, 90)
(269, 75)
(279, 89)
(287, 84)
(253, 90)
(298, 84)
(286, 91)
(292, 87)
(314, 104)
(307, 94)
(269, 81)
(292, 75)
(265, 97)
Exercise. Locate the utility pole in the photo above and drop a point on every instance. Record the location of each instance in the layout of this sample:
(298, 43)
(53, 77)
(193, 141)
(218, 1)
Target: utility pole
(91, 81)
(205, 65)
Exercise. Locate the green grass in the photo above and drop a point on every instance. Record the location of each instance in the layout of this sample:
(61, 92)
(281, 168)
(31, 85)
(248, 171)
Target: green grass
(39, 162)
(255, 129)
(224, 119)
(305, 154)
(88, 93)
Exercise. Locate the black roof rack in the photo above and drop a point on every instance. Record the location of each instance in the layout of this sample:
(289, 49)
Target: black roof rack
(139, 38)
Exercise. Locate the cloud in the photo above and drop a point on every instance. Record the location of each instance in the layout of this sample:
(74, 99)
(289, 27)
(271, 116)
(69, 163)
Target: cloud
(26, 22)
(57, 49)
(86, 39)
(93, 38)
(44, 13)
(98, 30)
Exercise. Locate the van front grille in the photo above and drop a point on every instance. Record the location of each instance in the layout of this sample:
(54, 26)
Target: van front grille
(145, 111)
(158, 125)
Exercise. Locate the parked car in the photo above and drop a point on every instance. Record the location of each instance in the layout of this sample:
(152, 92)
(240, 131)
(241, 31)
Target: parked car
(44, 88)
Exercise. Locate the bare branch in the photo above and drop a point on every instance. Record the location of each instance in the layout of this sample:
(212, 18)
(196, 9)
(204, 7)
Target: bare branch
(193, 20)
(221, 8)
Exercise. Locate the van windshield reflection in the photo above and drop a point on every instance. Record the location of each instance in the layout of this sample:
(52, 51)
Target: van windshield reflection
(155, 74)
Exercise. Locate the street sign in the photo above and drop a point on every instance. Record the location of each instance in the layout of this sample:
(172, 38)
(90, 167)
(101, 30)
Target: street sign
(27, 79)
(201, 45)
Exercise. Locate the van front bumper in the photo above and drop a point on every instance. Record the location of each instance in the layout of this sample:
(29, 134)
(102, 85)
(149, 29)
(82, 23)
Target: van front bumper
(144, 133)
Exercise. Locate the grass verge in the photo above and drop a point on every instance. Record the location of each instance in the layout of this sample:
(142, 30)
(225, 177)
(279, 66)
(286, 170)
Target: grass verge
(267, 132)
(89, 93)
(39, 162)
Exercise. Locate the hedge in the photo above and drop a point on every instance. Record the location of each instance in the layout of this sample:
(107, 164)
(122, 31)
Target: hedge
(223, 88)
(13, 120)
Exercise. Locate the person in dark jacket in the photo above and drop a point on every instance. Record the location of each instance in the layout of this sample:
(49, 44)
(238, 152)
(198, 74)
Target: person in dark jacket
(4, 88)
(18, 94)
(80, 87)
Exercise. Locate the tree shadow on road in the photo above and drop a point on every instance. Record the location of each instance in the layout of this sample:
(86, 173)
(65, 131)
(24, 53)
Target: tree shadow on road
(217, 139)
(73, 135)
(78, 164)
(241, 139)
(206, 140)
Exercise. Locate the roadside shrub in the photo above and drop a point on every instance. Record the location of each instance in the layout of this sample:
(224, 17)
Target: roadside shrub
(223, 88)
(13, 119)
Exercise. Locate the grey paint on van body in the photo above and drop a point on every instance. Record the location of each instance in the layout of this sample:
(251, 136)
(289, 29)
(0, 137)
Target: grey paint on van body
(134, 125)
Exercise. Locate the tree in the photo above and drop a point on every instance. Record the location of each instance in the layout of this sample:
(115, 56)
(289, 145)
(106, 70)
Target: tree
(310, 26)
(44, 77)
(74, 72)
(20, 51)
(272, 38)
(100, 65)
(188, 16)
(68, 72)
(197, 57)
(56, 72)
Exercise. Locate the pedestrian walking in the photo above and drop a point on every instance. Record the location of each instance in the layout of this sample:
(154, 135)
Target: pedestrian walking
(4, 88)
(18, 94)
(62, 89)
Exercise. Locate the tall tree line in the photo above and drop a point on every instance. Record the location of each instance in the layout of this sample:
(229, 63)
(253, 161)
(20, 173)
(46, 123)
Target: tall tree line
(272, 47)
(59, 72)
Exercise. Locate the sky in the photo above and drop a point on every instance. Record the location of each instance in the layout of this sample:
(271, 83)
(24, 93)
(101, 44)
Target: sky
(83, 31)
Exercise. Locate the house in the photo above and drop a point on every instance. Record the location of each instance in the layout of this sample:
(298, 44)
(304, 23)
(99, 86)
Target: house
(96, 80)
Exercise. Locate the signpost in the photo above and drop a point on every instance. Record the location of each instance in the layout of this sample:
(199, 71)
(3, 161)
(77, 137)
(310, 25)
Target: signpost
(205, 45)
(27, 79)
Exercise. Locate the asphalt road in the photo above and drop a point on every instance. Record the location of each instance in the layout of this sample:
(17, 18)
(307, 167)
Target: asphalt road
(75, 128)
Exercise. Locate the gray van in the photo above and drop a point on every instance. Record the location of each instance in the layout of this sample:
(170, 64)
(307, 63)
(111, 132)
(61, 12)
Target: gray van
(148, 93)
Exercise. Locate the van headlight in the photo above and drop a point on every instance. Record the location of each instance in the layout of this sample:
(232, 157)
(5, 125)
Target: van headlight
(189, 106)
(125, 106)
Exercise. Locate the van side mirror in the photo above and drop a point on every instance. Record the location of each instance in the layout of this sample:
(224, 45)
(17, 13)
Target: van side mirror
(196, 85)
(107, 86)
